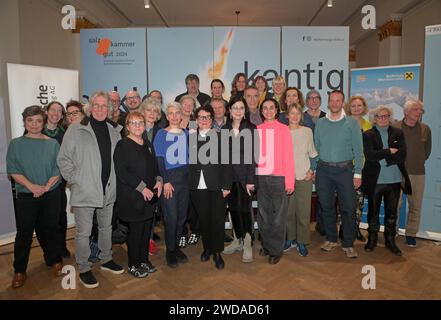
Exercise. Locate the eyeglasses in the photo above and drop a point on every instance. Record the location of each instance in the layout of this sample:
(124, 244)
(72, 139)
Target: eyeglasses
(133, 98)
(417, 109)
(137, 123)
(203, 118)
(73, 113)
(100, 106)
(314, 98)
(383, 117)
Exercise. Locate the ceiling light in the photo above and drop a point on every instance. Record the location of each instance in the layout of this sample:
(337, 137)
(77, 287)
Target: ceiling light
(330, 4)
(146, 4)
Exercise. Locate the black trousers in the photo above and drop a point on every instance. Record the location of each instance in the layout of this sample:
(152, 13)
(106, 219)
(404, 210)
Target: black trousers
(239, 205)
(62, 223)
(390, 193)
(210, 207)
(30, 212)
(138, 241)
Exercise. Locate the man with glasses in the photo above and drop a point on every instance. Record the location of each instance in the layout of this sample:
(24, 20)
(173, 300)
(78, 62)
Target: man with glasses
(132, 102)
(85, 161)
(418, 139)
(252, 100)
(115, 102)
(313, 102)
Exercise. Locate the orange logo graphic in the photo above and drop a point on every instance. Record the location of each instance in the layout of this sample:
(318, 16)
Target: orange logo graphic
(103, 47)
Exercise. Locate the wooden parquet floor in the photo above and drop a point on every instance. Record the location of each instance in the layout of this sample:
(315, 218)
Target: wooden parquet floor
(320, 276)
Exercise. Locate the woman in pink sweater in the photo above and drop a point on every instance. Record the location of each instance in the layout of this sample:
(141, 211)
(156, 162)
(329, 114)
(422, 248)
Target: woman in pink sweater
(275, 176)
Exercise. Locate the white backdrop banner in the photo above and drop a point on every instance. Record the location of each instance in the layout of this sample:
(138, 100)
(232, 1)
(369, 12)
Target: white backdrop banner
(32, 85)
(308, 57)
(35, 85)
(7, 220)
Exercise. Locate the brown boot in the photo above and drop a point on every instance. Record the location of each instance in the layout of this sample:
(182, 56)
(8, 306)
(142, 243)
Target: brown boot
(19, 279)
(57, 269)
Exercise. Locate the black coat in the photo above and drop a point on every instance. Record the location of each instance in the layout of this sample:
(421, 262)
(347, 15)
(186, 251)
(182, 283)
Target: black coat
(374, 152)
(203, 98)
(245, 173)
(155, 129)
(135, 165)
(217, 176)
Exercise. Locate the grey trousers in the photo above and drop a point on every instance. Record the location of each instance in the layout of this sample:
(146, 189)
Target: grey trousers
(273, 207)
(84, 222)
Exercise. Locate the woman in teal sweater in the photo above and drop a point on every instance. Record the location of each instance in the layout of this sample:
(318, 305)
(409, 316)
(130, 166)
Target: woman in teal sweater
(31, 162)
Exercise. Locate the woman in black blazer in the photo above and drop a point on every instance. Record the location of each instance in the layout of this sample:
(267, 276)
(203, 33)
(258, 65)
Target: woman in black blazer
(138, 182)
(210, 183)
(241, 146)
(383, 172)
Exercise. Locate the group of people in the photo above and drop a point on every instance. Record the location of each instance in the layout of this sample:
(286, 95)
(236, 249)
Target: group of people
(203, 157)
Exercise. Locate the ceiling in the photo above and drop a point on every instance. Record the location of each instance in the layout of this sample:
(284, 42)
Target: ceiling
(178, 13)
(252, 12)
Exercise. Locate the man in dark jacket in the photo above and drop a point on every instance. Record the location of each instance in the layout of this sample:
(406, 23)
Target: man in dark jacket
(192, 84)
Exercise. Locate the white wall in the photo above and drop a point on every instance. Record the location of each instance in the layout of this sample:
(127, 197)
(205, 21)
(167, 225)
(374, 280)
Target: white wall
(414, 23)
(367, 52)
(370, 52)
(31, 33)
(42, 39)
(9, 48)
(413, 41)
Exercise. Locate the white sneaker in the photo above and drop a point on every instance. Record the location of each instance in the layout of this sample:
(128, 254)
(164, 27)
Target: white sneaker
(235, 245)
(350, 252)
(247, 254)
(329, 246)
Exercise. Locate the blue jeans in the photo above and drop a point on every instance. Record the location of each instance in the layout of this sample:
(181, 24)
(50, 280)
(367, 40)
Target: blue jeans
(175, 208)
(329, 180)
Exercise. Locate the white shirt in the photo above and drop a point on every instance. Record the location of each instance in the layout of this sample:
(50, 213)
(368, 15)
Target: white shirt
(342, 115)
(202, 185)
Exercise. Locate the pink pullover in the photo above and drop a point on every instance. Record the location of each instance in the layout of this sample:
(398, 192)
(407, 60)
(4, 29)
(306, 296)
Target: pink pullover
(276, 156)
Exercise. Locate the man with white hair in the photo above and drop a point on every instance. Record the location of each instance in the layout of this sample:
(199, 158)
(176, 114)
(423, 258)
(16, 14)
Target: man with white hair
(419, 145)
(86, 162)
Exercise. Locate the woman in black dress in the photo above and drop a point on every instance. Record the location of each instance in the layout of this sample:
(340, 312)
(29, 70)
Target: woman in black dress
(138, 182)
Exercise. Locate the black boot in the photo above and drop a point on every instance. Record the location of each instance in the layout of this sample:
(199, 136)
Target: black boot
(218, 261)
(392, 246)
(172, 260)
(372, 242)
